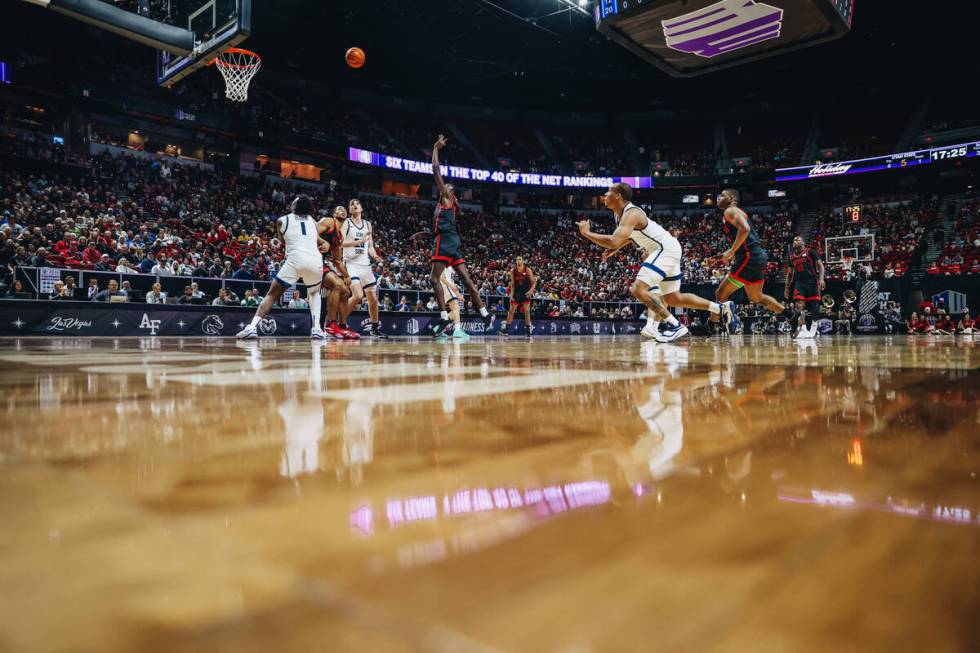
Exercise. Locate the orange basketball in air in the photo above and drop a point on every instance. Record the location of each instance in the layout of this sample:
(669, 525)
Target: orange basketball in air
(355, 57)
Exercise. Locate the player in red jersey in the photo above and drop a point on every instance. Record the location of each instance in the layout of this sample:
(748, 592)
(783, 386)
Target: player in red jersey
(336, 280)
(521, 287)
(805, 279)
(447, 248)
(747, 257)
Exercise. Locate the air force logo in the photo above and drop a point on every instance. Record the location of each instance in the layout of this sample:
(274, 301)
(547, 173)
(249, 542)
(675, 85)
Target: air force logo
(152, 325)
(723, 27)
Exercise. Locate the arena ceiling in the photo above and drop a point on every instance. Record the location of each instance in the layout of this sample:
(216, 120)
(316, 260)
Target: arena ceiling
(532, 54)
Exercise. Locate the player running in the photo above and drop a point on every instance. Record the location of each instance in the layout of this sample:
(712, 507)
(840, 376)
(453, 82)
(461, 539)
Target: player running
(302, 263)
(453, 302)
(521, 289)
(447, 248)
(805, 278)
(746, 255)
(661, 269)
(358, 254)
(336, 279)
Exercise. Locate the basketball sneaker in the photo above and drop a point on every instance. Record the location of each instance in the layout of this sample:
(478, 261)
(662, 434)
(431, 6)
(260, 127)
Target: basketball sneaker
(488, 322)
(650, 330)
(346, 333)
(248, 332)
(376, 332)
(317, 333)
(440, 327)
(333, 330)
(460, 335)
(729, 318)
(527, 331)
(670, 332)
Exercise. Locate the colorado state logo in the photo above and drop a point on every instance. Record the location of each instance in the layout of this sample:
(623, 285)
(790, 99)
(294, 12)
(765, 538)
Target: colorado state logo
(212, 325)
(268, 326)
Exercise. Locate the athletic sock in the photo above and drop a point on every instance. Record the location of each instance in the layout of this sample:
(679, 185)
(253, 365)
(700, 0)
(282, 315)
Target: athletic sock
(483, 311)
(315, 313)
(444, 315)
(671, 320)
(255, 321)
(714, 307)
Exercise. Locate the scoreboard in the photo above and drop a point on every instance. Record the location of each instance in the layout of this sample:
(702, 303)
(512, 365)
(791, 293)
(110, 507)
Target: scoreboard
(886, 162)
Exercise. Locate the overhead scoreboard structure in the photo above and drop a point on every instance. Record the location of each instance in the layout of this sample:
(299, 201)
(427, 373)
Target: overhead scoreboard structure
(692, 37)
(189, 36)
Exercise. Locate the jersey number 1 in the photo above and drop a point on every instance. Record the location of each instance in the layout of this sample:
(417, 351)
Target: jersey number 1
(302, 227)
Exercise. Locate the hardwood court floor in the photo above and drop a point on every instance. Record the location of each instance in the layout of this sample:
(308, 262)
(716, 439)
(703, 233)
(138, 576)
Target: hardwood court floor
(570, 495)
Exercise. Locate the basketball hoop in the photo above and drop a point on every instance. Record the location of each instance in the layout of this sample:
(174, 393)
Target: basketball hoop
(238, 67)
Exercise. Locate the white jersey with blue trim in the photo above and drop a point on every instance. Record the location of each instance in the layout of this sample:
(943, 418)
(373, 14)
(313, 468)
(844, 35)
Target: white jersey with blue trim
(299, 235)
(356, 255)
(652, 237)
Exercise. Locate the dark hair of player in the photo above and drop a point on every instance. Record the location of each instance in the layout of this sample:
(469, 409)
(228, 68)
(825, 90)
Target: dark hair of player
(625, 190)
(303, 205)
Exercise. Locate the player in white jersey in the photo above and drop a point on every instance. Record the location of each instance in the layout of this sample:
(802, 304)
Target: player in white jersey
(302, 267)
(358, 254)
(448, 281)
(661, 268)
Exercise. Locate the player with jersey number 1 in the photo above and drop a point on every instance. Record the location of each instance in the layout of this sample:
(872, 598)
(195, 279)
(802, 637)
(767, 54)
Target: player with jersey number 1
(302, 267)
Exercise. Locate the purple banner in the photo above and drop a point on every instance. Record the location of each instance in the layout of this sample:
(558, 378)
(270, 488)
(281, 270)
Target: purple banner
(366, 157)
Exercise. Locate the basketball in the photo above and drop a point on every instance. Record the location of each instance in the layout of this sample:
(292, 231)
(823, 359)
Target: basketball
(355, 57)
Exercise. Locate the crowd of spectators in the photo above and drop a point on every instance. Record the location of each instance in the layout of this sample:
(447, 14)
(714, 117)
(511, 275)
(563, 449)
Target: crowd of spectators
(961, 252)
(130, 215)
(899, 228)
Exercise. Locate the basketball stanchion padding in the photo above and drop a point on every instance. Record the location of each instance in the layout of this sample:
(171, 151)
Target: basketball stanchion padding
(238, 67)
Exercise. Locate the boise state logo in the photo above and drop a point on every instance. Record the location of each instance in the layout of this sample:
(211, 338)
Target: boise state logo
(212, 325)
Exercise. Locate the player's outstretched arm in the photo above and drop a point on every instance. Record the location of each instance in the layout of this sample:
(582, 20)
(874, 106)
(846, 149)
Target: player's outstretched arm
(436, 172)
(616, 239)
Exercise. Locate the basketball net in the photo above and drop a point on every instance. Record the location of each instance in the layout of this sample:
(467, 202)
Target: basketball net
(847, 262)
(238, 67)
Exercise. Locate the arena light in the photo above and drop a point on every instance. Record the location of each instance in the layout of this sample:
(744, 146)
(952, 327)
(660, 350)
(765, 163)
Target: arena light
(579, 6)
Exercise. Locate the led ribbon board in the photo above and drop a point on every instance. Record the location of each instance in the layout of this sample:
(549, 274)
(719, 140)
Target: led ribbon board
(398, 163)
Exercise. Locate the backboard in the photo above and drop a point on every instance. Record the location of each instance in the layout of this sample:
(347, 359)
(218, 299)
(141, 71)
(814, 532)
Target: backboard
(861, 248)
(217, 25)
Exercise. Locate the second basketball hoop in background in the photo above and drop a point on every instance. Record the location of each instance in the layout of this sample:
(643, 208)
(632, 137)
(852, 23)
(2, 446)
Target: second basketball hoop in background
(238, 67)
(355, 57)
